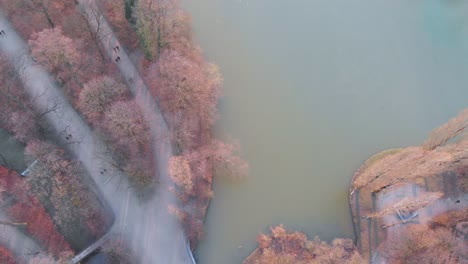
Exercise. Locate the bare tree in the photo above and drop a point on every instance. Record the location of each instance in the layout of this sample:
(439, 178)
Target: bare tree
(93, 19)
(409, 204)
(39, 6)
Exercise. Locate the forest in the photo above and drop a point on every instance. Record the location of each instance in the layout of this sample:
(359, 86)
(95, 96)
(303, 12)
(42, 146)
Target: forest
(61, 206)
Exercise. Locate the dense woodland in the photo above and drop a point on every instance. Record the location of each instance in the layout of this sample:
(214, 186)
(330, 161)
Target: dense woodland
(158, 37)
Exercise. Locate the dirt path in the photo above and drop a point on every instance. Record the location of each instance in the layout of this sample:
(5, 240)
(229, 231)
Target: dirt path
(153, 234)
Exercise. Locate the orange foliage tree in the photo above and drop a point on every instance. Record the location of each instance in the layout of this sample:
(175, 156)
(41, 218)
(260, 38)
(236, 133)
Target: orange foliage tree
(16, 114)
(447, 131)
(186, 84)
(282, 247)
(97, 95)
(418, 244)
(28, 209)
(126, 123)
(34, 15)
(60, 185)
(130, 136)
(179, 170)
(161, 25)
(57, 52)
(223, 156)
(6, 257)
(188, 89)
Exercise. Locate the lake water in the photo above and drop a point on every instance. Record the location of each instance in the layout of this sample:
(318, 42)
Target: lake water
(313, 88)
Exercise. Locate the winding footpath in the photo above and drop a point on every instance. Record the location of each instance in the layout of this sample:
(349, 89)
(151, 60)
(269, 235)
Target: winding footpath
(152, 233)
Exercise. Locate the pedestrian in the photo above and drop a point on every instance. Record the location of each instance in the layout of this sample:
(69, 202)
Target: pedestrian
(117, 47)
(117, 59)
(3, 32)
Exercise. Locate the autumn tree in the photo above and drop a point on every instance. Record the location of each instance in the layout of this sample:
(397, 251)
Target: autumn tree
(283, 247)
(418, 244)
(129, 135)
(118, 251)
(447, 131)
(98, 94)
(6, 256)
(30, 16)
(57, 52)
(15, 110)
(181, 174)
(223, 156)
(188, 89)
(186, 85)
(61, 185)
(26, 208)
(127, 124)
(12, 97)
(93, 20)
(184, 130)
(120, 15)
(39, 6)
(161, 24)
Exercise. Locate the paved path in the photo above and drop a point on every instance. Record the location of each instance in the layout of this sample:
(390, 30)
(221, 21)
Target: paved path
(153, 234)
(21, 245)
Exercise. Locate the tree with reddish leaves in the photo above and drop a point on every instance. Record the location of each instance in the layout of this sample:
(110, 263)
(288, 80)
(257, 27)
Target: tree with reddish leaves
(39, 6)
(441, 135)
(29, 16)
(181, 174)
(188, 89)
(97, 95)
(39, 224)
(127, 124)
(23, 125)
(283, 247)
(162, 25)
(57, 52)
(419, 244)
(16, 114)
(118, 14)
(223, 158)
(61, 186)
(186, 85)
(6, 257)
(27, 209)
(129, 136)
